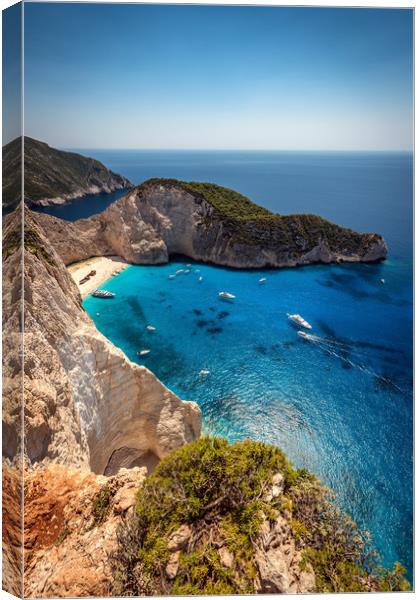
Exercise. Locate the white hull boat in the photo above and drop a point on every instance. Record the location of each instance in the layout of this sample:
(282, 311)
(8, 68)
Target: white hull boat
(143, 352)
(226, 296)
(298, 320)
(103, 294)
(303, 335)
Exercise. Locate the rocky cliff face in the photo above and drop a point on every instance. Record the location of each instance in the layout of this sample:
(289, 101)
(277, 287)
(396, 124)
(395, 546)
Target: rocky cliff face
(86, 404)
(87, 407)
(53, 176)
(165, 217)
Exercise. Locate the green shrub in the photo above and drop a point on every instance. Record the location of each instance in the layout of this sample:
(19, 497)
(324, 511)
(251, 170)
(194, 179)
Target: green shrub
(219, 490)
(100, 506)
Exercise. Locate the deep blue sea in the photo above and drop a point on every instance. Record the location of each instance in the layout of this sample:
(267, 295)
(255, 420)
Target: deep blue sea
(340, 404)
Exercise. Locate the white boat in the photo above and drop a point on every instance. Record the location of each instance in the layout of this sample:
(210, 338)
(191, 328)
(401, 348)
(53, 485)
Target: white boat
(171, 276)
(262, 280)
(303, 335)
(143, 352)
(204, 372)
(179, 271)
(382, 280)
(196, 270)
(227, 295)
(187, 271)
(299, 321)
(103, 294)
(200, 279)
(189, 265)
(150, 328)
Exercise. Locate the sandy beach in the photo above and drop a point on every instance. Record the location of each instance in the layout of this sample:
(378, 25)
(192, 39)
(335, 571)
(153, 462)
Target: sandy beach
(105, 267)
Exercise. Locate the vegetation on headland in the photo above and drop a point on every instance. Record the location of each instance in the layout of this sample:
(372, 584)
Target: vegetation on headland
(252, 224)
(219, 491)
(50, 173)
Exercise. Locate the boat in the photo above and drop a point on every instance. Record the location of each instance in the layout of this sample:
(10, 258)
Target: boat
(303, 335)
(196, 270)
(204, 372)
(179, 271)
(143, 352)
(171, 276)
(382, 281)
(200, 279)
(226, 296)
(150, 328)
(262, 280)
(189, 265)
(103, 294)
(187, 271)
(299, 321)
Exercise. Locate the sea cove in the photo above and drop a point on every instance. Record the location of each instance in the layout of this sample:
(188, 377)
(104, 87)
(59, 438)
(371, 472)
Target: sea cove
(340, 406)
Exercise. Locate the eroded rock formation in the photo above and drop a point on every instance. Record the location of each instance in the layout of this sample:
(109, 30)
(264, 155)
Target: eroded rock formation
(165, 217)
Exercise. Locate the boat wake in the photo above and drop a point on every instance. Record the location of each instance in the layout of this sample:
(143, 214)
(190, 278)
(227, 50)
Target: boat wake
(340, 350)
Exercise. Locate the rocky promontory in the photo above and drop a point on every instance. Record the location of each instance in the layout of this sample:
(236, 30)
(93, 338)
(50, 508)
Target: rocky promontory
(206, 222)
(53, 176)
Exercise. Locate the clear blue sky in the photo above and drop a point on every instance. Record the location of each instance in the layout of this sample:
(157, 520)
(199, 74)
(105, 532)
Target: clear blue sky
(139, 76)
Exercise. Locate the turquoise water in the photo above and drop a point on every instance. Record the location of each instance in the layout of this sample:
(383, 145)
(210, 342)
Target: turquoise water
(340, 404)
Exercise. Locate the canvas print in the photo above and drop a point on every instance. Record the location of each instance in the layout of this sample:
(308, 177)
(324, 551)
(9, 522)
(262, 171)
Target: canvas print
(207, 300)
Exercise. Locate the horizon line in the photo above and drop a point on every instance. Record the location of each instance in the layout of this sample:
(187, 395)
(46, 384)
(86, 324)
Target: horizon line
(397, 150)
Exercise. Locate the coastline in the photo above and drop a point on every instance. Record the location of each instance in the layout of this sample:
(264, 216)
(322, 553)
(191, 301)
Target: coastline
(105, 267)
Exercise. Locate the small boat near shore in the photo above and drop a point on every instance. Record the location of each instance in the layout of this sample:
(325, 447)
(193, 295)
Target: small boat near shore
(150, 328)
(103, 294)
(226, 296)
(143, 352)
(298, 320)
(262, 280)
(204, 372)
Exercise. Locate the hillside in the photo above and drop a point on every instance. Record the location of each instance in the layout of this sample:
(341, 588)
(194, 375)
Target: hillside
(207, 222)
(53, 176)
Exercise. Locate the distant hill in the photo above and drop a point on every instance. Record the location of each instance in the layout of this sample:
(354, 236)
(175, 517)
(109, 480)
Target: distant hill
(53, 176)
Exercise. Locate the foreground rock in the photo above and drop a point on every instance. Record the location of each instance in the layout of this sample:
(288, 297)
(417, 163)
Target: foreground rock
(71, 520)
(208, 223)
(53, 176)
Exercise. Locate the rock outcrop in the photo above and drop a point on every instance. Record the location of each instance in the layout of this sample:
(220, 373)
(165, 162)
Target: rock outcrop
(53, 176)
(71, 518)
(86, 404)
(205, 222)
